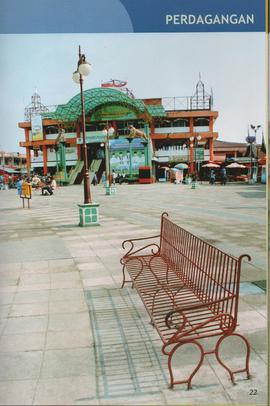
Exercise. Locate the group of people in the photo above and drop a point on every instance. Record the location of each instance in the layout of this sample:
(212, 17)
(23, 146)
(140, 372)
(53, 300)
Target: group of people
(8, 181)
(223, 176)
(114, 177)
(47, 185)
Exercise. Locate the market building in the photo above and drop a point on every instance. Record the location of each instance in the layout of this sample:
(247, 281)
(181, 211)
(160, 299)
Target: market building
(254, 160)
(11, 162)
(174, 130)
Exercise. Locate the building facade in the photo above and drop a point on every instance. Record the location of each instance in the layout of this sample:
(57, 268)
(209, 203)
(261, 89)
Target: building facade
(12, 161)
(177, 129)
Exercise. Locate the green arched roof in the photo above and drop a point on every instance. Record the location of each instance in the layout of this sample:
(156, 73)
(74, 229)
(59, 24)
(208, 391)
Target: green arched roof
(94, 99)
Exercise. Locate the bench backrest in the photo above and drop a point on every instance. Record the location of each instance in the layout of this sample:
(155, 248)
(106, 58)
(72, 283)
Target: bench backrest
(211, 274)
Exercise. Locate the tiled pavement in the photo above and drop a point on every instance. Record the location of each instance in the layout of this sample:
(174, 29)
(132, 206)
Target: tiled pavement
(54, 275)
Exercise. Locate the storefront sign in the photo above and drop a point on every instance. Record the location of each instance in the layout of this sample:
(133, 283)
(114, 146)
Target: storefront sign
(178, 158)
(113, 113)
(199, 153)
(92, 139)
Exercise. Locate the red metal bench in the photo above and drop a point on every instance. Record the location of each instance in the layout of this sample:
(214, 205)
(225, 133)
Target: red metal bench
(190, 290)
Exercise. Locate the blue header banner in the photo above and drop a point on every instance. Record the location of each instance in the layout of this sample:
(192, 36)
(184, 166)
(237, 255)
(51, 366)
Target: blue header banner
(116, 16)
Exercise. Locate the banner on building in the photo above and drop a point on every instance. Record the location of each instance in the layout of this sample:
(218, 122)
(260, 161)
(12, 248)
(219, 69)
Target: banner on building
(36, 128)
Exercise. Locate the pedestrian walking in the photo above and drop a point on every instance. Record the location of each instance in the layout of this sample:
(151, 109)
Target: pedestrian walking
(223, 175)
(19, 186)
(103, 178)
(6, 181)
(95, 179)
(212, 177)
(114, 176)
(1, 182)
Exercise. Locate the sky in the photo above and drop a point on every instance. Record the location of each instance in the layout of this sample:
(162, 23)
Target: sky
(154, 65)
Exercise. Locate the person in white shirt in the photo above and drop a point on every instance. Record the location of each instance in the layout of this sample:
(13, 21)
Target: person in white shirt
(114, 176)
(48, 190)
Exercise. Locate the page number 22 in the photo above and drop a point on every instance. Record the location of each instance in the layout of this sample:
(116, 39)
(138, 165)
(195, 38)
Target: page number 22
(253, 392)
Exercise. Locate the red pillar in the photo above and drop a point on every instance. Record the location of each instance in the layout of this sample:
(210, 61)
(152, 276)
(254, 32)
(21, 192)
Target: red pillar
(28, 160)
(26, 131)
(191, 125)
(28, 154)
(45, 167)
(211, 150)
(211, 124)
(114, 125)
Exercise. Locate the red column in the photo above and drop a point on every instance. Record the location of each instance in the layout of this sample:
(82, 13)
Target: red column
(45, 167)
(211, 151)
(28, 160)
(211, 124)
(191, 125)
(26, 131)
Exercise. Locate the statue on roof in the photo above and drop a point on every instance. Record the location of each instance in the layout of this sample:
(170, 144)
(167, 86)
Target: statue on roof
(135, 133)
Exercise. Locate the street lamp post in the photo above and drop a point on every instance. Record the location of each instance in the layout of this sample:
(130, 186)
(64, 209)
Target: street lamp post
(194, 143)
(251, 140)
(89, 213)
(61, 165)
(108, 132)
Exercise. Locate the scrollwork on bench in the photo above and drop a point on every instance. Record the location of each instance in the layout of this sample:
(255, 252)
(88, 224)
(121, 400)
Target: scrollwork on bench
(131, 242)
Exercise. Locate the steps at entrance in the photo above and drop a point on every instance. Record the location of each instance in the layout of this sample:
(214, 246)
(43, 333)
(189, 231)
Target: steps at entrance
(76, 174)
(94, 167)
(73, 174)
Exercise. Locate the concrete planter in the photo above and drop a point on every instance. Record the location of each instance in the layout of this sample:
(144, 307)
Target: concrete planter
(89, 214)
(194, 185)
(110, 190)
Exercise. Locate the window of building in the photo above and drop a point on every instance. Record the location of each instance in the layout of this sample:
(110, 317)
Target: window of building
(201, 122)
(180, 122)
(51, 129)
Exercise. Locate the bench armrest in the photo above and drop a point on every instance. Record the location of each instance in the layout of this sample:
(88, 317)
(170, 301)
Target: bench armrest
(133, 250)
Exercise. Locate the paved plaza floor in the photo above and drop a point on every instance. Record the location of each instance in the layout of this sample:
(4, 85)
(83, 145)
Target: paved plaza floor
(70, 335)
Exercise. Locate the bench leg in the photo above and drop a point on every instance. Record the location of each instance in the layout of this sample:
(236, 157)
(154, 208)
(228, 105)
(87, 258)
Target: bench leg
(124, 277)
(231, 373)
(171, 353)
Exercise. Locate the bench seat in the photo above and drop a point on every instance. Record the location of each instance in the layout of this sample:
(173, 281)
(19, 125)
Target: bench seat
(161, 298)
